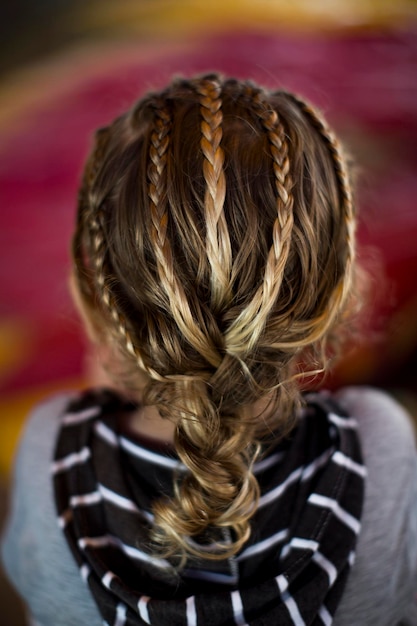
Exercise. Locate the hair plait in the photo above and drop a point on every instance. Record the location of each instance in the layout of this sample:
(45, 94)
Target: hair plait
(159, 214)
(215, 243)
(342, 173)
(244, 332)
(217, 235)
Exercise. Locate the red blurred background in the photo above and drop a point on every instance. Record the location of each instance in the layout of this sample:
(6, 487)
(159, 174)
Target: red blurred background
(68, 67)
(360, 69)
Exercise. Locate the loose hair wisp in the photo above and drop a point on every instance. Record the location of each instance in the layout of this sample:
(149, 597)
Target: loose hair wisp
(215, 245)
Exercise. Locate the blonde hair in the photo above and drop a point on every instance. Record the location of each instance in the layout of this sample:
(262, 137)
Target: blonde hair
(215, 244)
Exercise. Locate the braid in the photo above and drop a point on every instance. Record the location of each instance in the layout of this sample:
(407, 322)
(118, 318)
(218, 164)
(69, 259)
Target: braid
(248, 326)
(159, 215)
(217, 235)
(92, 219)
(158, 206)
(220, 491)
(342, 175)
(213, 294)
(102, 271)
(95, 218)
(85, 193)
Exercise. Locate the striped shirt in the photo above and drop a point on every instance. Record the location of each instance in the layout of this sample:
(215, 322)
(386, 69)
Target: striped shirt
(291, 571)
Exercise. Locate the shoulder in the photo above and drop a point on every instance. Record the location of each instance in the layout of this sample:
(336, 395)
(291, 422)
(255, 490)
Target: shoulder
(383, 580)
(34, 550)
(387, 434)
(40, 430)
(35, 451)
(31, 489)
(373, 406)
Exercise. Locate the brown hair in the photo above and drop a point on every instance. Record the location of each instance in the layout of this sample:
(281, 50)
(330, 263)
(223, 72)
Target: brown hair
(215, 243)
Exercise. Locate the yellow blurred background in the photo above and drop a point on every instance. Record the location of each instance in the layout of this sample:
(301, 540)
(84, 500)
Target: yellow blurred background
(66, 67)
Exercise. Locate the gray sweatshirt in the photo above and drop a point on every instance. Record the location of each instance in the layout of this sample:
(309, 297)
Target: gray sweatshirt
(382, 586)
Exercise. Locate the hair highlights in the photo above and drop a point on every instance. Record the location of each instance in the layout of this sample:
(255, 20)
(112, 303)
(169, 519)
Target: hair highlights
(215, 243)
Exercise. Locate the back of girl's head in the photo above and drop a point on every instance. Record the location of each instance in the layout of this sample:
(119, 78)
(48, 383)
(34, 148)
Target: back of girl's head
(214, 246)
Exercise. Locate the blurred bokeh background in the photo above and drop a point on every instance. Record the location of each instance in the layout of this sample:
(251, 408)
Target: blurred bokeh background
(68, 66)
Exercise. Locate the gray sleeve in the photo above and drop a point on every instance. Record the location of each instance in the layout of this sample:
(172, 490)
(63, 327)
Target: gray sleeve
(379, 591)
(382, 587)
(34, 551)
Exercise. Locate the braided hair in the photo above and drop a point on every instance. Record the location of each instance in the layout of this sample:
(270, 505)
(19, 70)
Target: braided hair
(215, 247)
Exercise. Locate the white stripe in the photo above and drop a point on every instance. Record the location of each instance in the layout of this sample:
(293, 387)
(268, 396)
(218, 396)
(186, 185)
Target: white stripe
(304, 544)
(282, 583)
(310, 469)
(199, 574)
(107, 578)
(105, 433)
(260, 466)
(334, 506)
(65, 518)
(120, 615)
(279, 490)
(303, 473)
(122, 502)
(72, 459)
(85, 499)
(190, 611)
(327, 565)
(345, 461)
(300, 544)
(109, 540)
(85, 572)
(263, 545)
(351, 558)
(96, 542)
(343, 422)
(325, 616)
(318, 397)
(135, 553)
(153, 457)
(143, 609)
(289, 601)
(293, 610)
(238, 609)
(83, 416)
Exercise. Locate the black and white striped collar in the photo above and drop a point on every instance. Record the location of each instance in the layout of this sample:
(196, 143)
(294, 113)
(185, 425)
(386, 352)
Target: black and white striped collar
(303, 538)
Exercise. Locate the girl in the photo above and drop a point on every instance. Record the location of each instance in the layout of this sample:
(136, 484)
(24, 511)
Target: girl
(214, 253)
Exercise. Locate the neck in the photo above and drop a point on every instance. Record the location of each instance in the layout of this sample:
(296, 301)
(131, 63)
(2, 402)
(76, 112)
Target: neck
(147, 422)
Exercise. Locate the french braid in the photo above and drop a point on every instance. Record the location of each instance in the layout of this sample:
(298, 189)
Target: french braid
(212, 290)
(217, 235)
(85, 198)
(102, 271)
(244, 332)
(90, 219)
(220, 490)
(343, 178)
(220, 486)
(159, 215)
